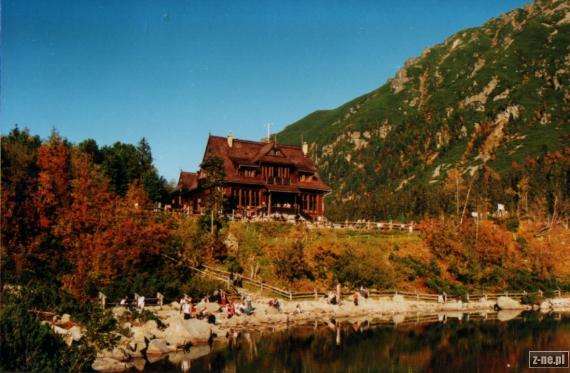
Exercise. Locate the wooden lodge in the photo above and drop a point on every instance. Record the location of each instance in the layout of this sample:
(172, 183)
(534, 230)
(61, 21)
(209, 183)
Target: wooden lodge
(263, 179)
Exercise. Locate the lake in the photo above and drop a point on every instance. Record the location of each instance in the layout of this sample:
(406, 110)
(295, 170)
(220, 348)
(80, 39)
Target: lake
(414, 343)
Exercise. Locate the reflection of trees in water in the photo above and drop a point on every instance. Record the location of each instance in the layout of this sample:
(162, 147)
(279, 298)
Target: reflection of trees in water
(453, 346)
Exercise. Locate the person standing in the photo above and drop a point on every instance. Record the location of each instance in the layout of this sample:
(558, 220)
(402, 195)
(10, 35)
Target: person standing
(186, 310)
(140, 303)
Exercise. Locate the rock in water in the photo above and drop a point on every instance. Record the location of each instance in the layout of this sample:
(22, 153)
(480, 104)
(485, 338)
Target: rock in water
(106, 364)
(507, 315)
(159, 347)
(508, 303)
(117, 353)
(181, 332)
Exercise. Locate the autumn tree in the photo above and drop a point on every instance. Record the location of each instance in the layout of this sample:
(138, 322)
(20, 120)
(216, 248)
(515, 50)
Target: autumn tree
(214, 171)
(19, 218)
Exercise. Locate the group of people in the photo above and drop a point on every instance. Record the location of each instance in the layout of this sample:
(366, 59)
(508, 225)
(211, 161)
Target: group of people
(138, 302)
(335, 297)
(238, 308)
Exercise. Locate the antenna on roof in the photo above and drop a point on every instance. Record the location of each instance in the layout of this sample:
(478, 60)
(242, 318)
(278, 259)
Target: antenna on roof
(268, 125)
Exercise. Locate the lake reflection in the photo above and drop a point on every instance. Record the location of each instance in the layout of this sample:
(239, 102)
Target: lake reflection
(436, 343)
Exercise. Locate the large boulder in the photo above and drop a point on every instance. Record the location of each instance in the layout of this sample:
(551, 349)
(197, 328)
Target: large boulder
(116, 353)
(159, 347)
(119, 312)
(139, 334)
(546, 306)
(181, 332)
(211, 307)
(151, 330)
(139, 363)
(106, 364)
(508, 303)
(75, 332)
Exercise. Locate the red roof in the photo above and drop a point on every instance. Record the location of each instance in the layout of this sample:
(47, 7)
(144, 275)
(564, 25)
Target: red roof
(187, 181)
(246, 153)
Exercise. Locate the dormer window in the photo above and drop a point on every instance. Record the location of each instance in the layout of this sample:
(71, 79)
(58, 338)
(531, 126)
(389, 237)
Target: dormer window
(274, 152)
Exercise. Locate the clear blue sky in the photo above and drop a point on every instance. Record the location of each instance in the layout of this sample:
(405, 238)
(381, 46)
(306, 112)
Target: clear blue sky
(174, 70)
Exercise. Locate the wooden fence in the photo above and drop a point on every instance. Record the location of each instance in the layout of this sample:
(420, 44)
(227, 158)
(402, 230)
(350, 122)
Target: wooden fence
(230, 280)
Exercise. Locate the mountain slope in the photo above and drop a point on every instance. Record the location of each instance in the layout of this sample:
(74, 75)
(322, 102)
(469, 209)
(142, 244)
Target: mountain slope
(482, 101)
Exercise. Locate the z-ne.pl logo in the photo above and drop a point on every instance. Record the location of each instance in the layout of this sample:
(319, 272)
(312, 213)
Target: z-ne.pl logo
(548, 359)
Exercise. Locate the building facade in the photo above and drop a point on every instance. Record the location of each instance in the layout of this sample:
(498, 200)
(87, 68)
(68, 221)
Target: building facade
(261, 179)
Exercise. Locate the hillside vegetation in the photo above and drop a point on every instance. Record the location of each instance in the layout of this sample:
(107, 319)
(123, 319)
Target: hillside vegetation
(490, 106)
(489, 256)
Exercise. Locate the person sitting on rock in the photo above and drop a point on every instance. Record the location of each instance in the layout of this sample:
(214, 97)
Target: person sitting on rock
(332, 298)
(248, 306)
(229, 311)
(275, 303)
(297, 309)
(125, 302)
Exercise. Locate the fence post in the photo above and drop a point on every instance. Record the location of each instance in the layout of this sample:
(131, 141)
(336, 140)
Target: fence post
(417, 296)
(160, 298)
(102, 299)
(290, 294)
(467, 297)
(316, 294)
(558, 293)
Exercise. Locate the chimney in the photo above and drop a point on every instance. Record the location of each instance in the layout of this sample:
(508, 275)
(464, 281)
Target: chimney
(230, 140)
(305, 148)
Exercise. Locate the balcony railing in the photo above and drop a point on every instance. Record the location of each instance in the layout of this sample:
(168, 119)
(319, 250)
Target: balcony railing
(278, 181)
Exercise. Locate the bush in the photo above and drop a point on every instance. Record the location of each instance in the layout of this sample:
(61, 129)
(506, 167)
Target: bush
(233, 264)
(27, 345)
(357, 269)
(291, 264)
(512, 225)
(529, 298)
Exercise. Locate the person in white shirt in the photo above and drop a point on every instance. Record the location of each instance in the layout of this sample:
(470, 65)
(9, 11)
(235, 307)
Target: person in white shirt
(140, 303)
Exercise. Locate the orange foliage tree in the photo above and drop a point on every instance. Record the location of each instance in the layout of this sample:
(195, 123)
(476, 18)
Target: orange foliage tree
(105, 235)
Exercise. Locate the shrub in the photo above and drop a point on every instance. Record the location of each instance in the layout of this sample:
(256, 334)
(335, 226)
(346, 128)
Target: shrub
(357, 269)
(529, 298)
(512, 225)
(291, 264)
(233, 264)
(27, 345)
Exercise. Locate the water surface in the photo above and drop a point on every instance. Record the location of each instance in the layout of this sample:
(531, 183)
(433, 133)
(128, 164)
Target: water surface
(464, 343)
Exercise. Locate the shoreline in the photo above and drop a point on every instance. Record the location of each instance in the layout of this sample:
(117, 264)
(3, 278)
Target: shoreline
(149, 341)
